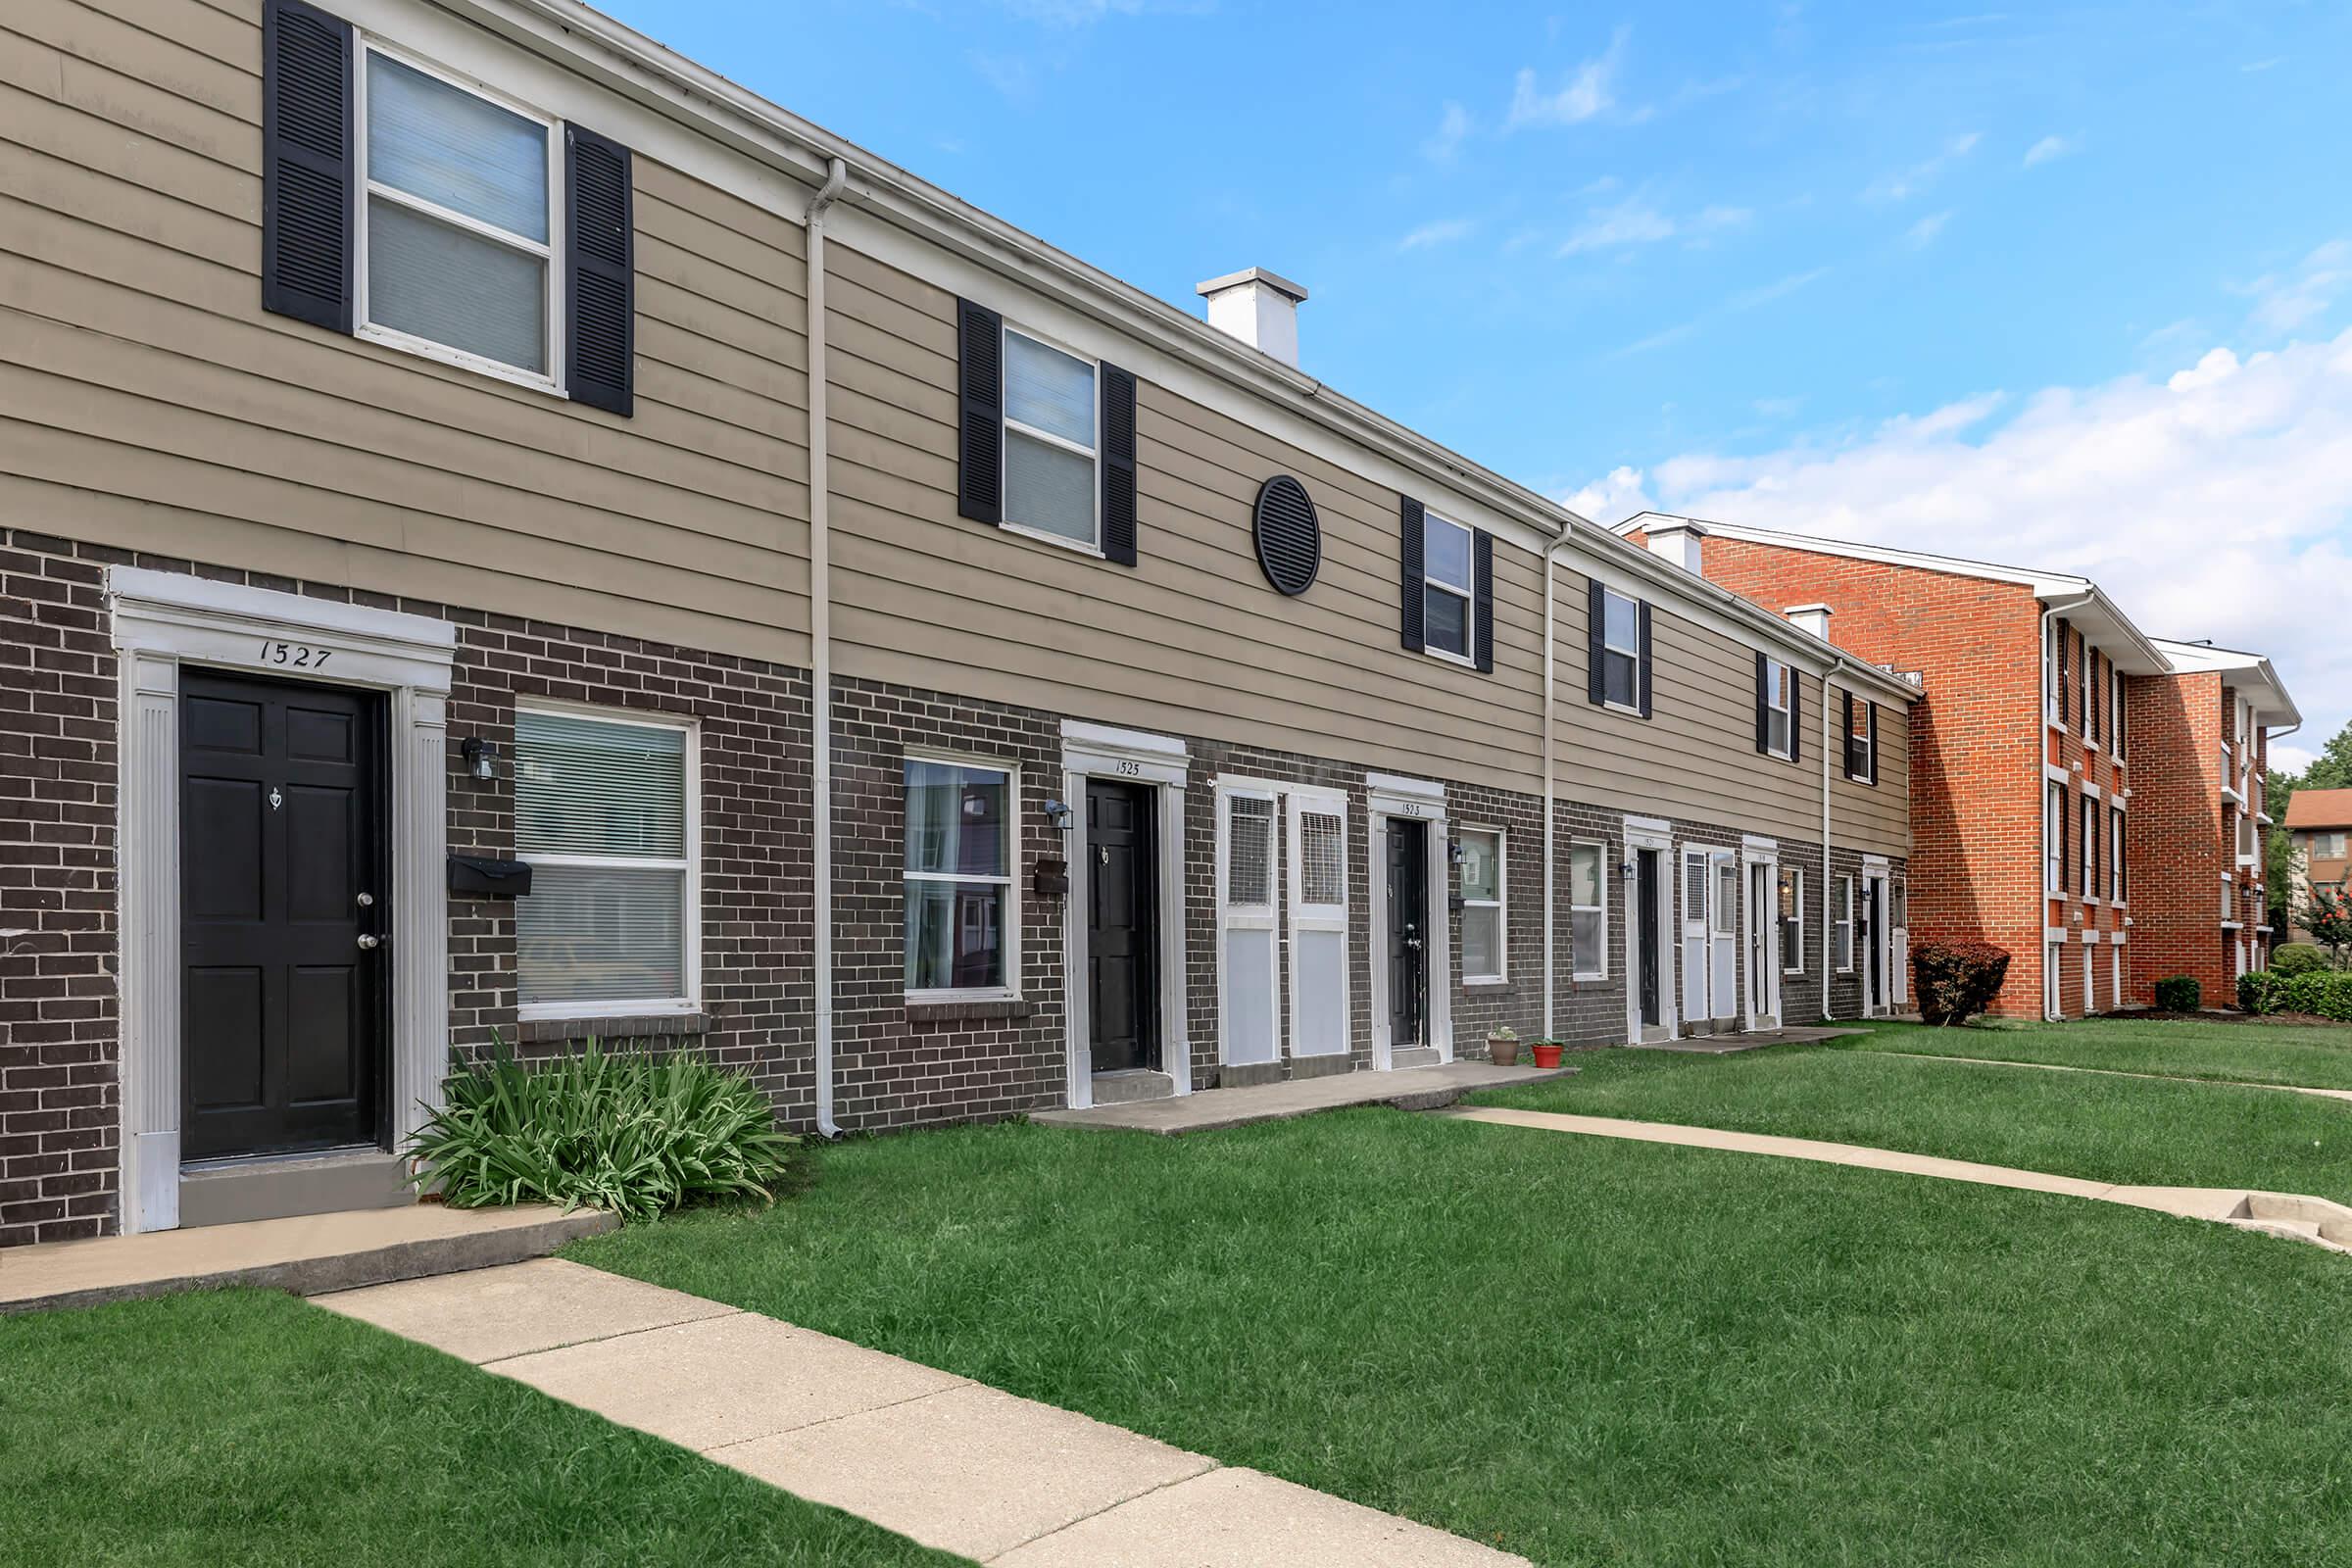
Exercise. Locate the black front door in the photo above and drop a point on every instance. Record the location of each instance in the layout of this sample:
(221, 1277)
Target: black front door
(1645, 962)
(1122, 928)
(282, 908)
(1866, 932)
(1409, 922)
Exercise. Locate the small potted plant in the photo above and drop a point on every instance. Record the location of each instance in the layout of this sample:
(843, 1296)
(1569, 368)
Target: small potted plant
(1502, 1044)
(1546, 1052)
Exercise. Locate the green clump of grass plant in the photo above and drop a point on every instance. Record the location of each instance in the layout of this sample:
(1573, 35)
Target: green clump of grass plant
(626, 1130)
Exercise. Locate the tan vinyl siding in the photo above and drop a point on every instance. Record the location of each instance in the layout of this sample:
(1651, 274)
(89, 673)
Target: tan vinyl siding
(1695, 758)
(1873, 818)
(1193, 640)
(150, 404)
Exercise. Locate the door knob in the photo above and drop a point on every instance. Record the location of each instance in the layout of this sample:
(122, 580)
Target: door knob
(370, 943)
(365, 901)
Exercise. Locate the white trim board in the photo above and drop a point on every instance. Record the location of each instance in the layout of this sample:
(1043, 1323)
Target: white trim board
(162, 622)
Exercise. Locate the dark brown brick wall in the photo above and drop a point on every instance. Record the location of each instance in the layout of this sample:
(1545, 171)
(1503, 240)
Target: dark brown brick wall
(60, 1112)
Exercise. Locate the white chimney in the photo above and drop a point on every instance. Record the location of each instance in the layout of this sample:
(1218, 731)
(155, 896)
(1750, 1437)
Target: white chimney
(1259, 307)
(1814, 618)
(1677, 539)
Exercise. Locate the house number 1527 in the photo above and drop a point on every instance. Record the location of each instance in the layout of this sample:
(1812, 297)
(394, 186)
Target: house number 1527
(295, 656)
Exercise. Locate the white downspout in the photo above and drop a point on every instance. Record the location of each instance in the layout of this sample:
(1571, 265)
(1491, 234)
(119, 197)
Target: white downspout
(820, 649)
(1551, 864)
(1828, 878)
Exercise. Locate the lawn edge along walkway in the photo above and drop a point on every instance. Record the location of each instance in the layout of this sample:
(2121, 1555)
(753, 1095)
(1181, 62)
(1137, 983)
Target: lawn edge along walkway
(2295, 1215)
(936, 1458)
(2114, 1072)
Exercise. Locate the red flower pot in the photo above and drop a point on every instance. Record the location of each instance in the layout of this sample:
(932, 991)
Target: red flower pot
(1546, 1055)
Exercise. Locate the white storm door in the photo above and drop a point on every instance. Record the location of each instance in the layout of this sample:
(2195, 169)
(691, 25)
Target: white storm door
(1248, 905)
(1723, 929)
(1318, 889)
(1695, 936)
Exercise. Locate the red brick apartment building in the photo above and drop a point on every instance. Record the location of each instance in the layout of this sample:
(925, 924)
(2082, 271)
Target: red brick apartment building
(2083, 795)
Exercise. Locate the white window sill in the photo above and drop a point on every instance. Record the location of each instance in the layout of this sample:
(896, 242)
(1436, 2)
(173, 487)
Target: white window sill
(1598, 974)
(443, 354)
(949, 997)
(1044, 536)
(1620, 708)
(1450, 656)
(534, 1012)
(1472, 982)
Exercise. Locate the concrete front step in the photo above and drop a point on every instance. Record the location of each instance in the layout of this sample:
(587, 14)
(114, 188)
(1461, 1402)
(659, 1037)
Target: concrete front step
(1123, 1088)
(309, 1256)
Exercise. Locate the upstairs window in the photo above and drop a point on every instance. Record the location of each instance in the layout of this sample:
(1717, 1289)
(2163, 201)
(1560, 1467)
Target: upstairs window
(2115, 711)
(1449, 585)
(1779, 697)
(2090, 693)
(2091, 848)
(2053, 834)
(2119, 887)
(1482, 916)
(1620, 649)
(457, 230)
(1861, 739)
(1049, 426)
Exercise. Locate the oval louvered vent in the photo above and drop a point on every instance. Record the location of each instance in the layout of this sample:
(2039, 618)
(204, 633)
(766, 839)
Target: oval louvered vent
(1288, 534)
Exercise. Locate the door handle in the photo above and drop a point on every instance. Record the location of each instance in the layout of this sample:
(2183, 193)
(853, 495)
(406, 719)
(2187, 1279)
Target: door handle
(370, 943)
(1412, 942)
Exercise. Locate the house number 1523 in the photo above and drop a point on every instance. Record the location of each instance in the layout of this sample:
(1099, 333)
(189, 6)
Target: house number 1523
(295, 656)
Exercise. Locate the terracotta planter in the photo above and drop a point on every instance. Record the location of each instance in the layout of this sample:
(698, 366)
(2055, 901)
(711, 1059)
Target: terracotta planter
(1506, 1052)
(1545, 1055)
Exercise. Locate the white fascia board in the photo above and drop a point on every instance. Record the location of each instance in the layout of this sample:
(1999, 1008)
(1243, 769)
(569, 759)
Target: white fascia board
(1152, 335)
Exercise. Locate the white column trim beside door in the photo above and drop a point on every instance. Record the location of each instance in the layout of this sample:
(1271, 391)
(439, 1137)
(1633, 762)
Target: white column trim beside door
(1389, 797)
(1651, 833)
(161, 620)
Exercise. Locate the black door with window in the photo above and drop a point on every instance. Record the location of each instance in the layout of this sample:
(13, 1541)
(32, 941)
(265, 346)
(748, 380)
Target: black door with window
(1645, 962)
(1122, 944)
(1408, 923)
(282, 909)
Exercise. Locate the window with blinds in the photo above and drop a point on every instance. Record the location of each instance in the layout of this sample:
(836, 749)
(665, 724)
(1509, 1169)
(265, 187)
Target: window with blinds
(602, 815)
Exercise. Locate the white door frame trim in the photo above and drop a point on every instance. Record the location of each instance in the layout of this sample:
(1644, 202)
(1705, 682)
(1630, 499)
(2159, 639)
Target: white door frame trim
(1651, 833)
(161, 620)
(1762, 925)
(1098, 750)
(1391, 798)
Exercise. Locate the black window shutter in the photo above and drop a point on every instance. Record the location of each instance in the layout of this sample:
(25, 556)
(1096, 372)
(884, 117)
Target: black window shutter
(310, 202)
(1118, 466)
(1596, 658)
(600, 284)
(1874, 743)
(1408, 584)
(1645, 659)
(1763, 704)
(1797, 716)
(1482, 549)
(980, 389)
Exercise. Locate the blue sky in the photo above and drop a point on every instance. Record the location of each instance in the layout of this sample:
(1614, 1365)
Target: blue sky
(2062, 287)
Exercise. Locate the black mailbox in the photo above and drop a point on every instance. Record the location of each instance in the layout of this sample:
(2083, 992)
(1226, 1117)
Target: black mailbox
(480, 876)
(1050, 879)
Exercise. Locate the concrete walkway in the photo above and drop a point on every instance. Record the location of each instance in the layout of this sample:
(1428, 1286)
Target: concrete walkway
(306, 1254)
(947, 1461)
(2118, 1073)
(1208, 1111)
(2294, 1214)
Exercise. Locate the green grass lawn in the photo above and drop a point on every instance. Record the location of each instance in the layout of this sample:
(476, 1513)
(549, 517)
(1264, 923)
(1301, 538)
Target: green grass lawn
(1593, 1352)
(2318, 1056)
(246, 1427)
(2073, 1124)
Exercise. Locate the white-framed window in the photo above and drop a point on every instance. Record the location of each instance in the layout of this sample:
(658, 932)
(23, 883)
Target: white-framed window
(1448, 586)
(2053, 676)
(2090, 847)
(1841, 931)
(459, 222)
(1589, 910)
(2119, 887)
(1052, 421)
(962, 917)
(2328, 846)
(1860, 742)
(2115, 720)
(1793, 920)
(1780, 688)
(2090, 693)
(607, 814)
(2053, 834)
(1621, 650)
(1484, 923)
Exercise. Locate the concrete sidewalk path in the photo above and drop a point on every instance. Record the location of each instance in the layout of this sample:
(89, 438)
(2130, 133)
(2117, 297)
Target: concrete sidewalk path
(2300, 1217)
(949, 1462)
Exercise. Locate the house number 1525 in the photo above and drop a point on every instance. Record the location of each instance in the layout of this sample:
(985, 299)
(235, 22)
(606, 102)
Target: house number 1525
(295, 656)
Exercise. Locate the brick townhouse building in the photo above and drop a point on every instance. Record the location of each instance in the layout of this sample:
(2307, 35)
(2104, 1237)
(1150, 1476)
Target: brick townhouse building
(2319, 829)
(2083, 795)
(504, 532)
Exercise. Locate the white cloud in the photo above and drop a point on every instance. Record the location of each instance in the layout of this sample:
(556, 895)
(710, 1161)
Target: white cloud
(2210, 503)
(1906, 183)
(1923, 233)
(1588, 93)
(1453, 129)
(2049, 148)
(1443, 231)
(1747, 299)
(1778, 408)
(2285, 303)
(1634, 222)
(2253, 66)
(2291, 759)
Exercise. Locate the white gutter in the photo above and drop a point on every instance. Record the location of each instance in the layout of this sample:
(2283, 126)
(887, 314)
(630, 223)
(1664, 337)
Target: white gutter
(820, 649)
(2041, 756)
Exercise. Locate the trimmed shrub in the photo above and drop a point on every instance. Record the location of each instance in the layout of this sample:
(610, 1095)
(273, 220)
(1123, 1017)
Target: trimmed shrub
(2297, 957)
(625, 1131)
(2261, 991)
(2178, 992)
(1957, 980)
(2324, 994)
